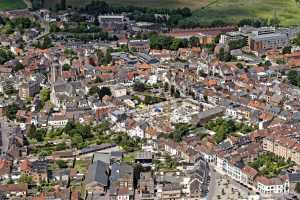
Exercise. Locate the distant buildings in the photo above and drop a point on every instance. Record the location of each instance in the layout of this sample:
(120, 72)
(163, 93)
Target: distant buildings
(264, 42)
(112, 19)
(113, 23)
(142, 46)
(267, 38)
(230, 36)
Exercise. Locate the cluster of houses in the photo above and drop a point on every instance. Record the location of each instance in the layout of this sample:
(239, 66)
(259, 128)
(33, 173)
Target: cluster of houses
(56, 87)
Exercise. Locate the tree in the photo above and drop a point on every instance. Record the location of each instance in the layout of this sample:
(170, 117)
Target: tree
(45, 95)
(69, 126)
(61, 164)
(107, 57)
(61, 146)
(274, 22)
(237, 44)
(44, 153)
(45, 44)
(37, 4)
(218, 23)
(194, 41)
(69, 51)
(287, 50)
(177, 94)
(94, 90)
(66, 67)
(104, 91)
(166, 86)
(2, 22)
(24, 178)
(76, 140)
(176, 43)
(297, 188)
(19, 66)
(31, 131)
(293, 77)
(224, 56)
(98, 80)
(40, 135)
(139, 86)
(296, 40)
(5, 55)
(240, 65)
(268, 63)
(12, 111)
(172, 90)
(54, 28)
(100, 56)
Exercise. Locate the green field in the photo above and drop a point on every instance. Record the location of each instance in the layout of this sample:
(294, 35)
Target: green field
(288, 11)
(12, 4)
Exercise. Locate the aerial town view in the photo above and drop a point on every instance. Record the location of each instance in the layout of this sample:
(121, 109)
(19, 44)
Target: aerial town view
(149, 99)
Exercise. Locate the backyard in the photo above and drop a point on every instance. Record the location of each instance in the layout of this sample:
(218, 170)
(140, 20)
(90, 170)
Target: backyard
(270, 165)
(224, 127)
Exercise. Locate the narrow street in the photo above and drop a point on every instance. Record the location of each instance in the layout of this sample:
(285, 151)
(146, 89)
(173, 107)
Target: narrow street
(212, 185)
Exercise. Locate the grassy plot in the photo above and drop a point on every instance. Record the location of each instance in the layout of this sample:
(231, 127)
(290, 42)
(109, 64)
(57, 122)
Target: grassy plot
(270, 165)
(11, 4)
(288, 11)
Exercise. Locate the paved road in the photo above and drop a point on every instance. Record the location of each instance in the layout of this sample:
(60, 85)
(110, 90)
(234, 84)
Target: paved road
(212, 185)
(214, 188)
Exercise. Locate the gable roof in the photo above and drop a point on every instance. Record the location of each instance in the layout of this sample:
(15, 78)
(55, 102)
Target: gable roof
(97, 172)
(121, 170)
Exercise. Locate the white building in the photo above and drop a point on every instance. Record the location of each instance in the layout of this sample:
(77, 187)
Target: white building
(273, 185)
(119, 92)
(58, 121)
(137, 131)
(230, 36)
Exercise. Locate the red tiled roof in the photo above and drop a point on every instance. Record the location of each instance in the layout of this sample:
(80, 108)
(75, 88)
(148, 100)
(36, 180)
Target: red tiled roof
(14, 188)
(106, 76)
(249, 171)
(25, 165)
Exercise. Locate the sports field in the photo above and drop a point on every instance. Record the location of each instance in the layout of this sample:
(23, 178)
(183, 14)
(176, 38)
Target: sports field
(12, 4)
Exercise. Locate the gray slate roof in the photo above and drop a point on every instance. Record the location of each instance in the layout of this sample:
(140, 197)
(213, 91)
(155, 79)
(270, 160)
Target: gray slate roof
(122, 170)
(98, 173)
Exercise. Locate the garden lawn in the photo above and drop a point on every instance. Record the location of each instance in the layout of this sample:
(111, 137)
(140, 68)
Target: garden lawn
(270, 165)
(82, 165)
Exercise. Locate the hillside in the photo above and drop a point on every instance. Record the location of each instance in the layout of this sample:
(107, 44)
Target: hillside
(148, 3)
(11, 4)
(288, 11)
